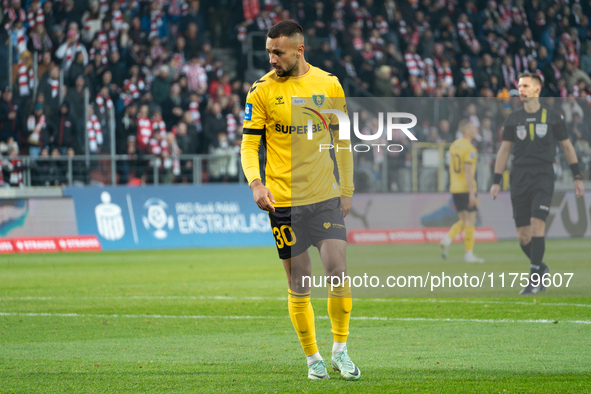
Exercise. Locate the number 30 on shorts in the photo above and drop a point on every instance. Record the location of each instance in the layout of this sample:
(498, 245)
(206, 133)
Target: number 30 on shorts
(283, 237)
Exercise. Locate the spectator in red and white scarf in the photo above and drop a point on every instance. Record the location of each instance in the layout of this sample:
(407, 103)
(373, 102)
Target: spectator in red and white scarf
(506, 15)
(36, 125)
(571, 55)
(430, 76)
(467, 73)
(96, 51)
(117, 20)
(521, 61)
(103, 101)
(19, 36)
(50, 87)
(94, 131)
(195, 114)
(35, 15)
(13, 14)
(264, 21)
(196, 75)
(40, 40)
(414, 63)
(154, 23)
(158, 147)
(158, 124)
(552, 73)
(175, 151)
(231, 125)
(144, 129)
(129, 92)
(23, 74)
(14, 167)
(528, 42)
(403, 30)
(91, 21)
(107, 37)
(68, 50)
(509, 73)
(463, 25)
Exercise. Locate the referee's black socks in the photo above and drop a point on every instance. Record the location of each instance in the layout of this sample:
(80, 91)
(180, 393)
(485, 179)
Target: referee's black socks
(536, 253)
(526, 249)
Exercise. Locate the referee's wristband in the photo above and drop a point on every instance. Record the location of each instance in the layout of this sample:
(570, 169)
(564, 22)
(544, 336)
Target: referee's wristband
(497, 179)
(576, 171)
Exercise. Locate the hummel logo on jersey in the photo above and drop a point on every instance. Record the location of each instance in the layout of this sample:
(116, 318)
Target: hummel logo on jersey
(544, 208)
(252, 89)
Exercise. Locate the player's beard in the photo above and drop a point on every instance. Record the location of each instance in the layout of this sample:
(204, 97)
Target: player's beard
(286, 73)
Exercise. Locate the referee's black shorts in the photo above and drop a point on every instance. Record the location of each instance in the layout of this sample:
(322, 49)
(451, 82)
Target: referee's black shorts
(531, 193)
(297, 228)
(461, 201)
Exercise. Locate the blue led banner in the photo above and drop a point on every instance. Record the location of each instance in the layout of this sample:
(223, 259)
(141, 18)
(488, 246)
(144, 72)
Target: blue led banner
(171, 216)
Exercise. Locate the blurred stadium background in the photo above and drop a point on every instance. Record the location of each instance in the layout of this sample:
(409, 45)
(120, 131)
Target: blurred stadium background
(120, 128)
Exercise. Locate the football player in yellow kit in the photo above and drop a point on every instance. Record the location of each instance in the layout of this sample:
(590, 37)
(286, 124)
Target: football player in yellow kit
(462, 170)
(306, 204)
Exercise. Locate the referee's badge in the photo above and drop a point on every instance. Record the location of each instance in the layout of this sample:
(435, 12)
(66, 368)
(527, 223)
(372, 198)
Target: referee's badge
(541, 130)
(521, 132)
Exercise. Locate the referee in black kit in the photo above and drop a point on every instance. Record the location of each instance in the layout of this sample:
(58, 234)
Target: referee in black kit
(532, 131)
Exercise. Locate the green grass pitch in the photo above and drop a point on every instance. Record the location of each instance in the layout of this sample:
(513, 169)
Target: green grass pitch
(215, 321)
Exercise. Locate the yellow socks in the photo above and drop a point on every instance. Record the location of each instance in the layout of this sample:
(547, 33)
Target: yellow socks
(302, 318)
(455, 229)
(339, 311)
(469, 238)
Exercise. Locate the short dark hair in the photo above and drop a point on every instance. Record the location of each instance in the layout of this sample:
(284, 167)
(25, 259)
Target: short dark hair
(285, 29)
(463, 124)
(532, 76)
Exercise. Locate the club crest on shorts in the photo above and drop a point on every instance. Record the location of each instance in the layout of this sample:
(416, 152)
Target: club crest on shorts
(541, 130)
(318, 100)
(521, 132)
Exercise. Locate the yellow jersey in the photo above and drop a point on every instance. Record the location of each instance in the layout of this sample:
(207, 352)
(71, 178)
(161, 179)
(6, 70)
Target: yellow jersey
(461, 152)
(278, 110)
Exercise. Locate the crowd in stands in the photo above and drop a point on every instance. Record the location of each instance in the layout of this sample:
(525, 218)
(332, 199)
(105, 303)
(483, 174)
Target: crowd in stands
(152, 65)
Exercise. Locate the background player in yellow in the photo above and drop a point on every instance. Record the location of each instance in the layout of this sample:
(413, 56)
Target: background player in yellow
(306, 204)
(462, 168)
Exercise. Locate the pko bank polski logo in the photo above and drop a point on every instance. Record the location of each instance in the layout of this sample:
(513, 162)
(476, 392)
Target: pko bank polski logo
(157, 217)
(345, 130)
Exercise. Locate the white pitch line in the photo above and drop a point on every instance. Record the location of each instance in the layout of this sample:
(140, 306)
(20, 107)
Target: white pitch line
(231, 317)
(444, 301)
(222, 298)
(229, 298)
